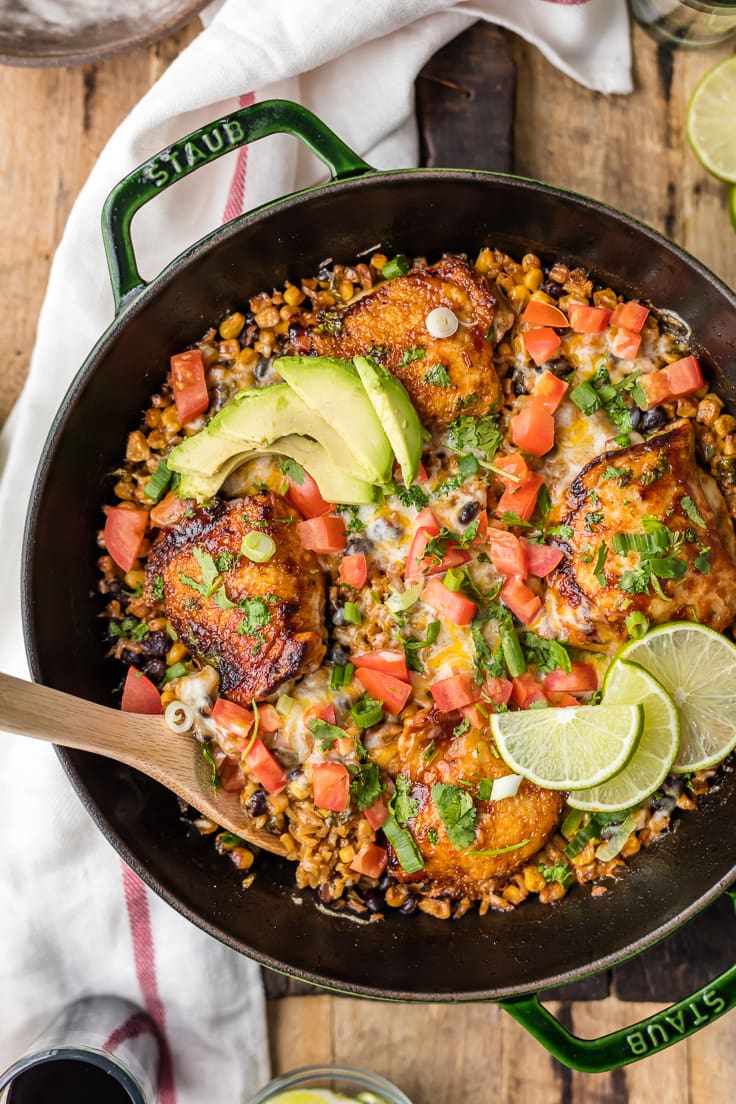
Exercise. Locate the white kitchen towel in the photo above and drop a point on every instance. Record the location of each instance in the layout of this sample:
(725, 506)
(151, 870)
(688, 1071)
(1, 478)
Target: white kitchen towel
(73, 920)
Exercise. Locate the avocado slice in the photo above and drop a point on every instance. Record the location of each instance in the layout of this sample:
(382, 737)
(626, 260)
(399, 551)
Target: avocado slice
(334, 483)
(332, 388)
(201, 486)
(253, 420)
(395, 409)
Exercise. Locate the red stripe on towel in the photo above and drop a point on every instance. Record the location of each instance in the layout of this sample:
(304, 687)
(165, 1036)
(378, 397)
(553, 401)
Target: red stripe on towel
(236, 195)
(135, 1025)
(145, 968)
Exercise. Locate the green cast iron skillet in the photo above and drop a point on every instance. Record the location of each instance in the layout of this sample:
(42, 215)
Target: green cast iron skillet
(507, 957)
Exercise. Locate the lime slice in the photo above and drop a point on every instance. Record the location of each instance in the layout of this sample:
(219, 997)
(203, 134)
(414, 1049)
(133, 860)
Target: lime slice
(652, 761)
(697, 668)
(568, 749)
(307, 1096)
(711, 120)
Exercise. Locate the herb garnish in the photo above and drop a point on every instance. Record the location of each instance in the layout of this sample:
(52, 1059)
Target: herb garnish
(413, 496)
(546, 655)
(560, 872)
(564, 532)
(210, 575)
(403, 805)
(437, 376)
(692, 511)
(325, 732)
(412, 646)
(293, 469)
(600, 563)
(482, 434)
(623, 476)
(366, 786)
(457, 813)
(414, 353)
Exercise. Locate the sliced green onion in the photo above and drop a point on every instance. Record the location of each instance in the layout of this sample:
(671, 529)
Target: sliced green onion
(158, 482)
(407, 853)
(468, 464)
(399, 266)
(341, 676)
(179, 716)
(571, 823)
(171, 631)
(175, 672)
(610, 849)
(254, 733)
(636, 625)
(586, 398)
(258, 547)
(505, 787)
(512, 653)
(500, 850)
(643, 543)
(352, 613)
(284, 704)
(399, 603)
(367, 712)
(582, 838)
(454, 579)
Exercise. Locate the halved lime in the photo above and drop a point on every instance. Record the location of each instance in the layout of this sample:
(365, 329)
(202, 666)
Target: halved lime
(307, 1096)
(697, 668)
(711, 120)
(568, 749)
(628, 683)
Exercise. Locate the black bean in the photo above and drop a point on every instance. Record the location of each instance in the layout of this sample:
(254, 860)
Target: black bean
(519, 386)
(339, 655)
(257, 803)
(156, 644)
(409, 905)
(555, 291)
(262, 368)
(559, 366)
(133, 659)
(155, 669)
(468, 511)
(652, 419)
(359, 544)
(385, 882)
(115, 589)
(635, 415)
(373, 900)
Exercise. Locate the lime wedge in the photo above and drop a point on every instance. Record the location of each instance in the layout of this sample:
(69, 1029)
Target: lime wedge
(697, 668)
(307, 1096)
(651, 762)
(568, 749)
(711, 120)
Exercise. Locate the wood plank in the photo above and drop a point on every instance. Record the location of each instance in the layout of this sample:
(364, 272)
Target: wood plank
(300, 1032)
(465, 102)
(712, 1062)
(67, 117)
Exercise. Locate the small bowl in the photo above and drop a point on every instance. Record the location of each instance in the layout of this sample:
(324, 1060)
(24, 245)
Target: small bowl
(340, 1079)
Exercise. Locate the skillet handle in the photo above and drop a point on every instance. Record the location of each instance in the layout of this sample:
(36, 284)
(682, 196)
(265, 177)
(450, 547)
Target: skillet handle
(629, 1044)
(199, 148)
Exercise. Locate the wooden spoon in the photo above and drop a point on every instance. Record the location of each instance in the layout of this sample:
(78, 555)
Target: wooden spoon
(140, 741)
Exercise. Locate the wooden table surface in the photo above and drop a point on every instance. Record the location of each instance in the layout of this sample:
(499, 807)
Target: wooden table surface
(629, 151)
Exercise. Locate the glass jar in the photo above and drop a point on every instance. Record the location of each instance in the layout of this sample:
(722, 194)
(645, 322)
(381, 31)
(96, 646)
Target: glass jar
(354, 1084)
(694, 23)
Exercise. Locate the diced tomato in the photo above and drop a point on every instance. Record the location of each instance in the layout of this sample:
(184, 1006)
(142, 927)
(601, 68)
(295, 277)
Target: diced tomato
(371, 860)
(562, 701)
(188, 385)
(269, 719)
(454, 606)
(331, 786)
(455, 692)
(168, 511)
(231, 776)
(306, 497)
(354, 570)
(521, 500)
(682, 377)
(542, 558)
(582, 679)
(377, 813)
(422, 474)
(323, 712)
(323, 534)
(516, 471)
(477, 714)
(265, 768)
(550, 391)
(497, 689)
(418, 565)
(426, 520)
(630, 316)
(543, 314)
(508, 554)
(522, 601)
(541, 344)
(124, 533)
(533, 429)
(233, 719)
(393, 692)
(588, 320)
(389, 663)
(139, 694)
(625, 344)
(525, 690)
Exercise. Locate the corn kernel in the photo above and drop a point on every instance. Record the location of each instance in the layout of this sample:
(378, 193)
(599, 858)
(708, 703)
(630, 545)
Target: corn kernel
(347, 854)
(229, 350)
(345, 290)
(267, 317)
(378, 260)
(729, 445)
(519, 295)
(125, 490)
(137, 447)
(153, 417)
(175, 653)
(287, 842)
(293, 295)
(709, 409)
(134, 578)
(533, 879)
(530, 261)
(534, 279)
(724, 425)
(247, 358)
(396, 895)
(231, 326)
(687, 408)
(242, 857)
(606, 299)
(170, 420)
(278, 804)
(543, 297)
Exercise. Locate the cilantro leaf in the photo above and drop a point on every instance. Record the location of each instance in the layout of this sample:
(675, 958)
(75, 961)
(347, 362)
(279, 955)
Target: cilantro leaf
(402, 804)
(366, 786)
(437, 376)
(623, 475)
(546, 655)
(482, 434)
(702, 561)
(293, 469)
(414, 353)
(157, 589)
(413, 496)
(257, 614)
(564, 532)
(457, 813)
(512, 518)
(559, 872)
(485, 789)
(325, 732)
(692, 511)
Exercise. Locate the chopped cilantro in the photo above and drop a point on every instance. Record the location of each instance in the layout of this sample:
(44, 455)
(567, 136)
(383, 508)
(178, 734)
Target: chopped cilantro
(482, 434)
(546, 655)
(462, 728)
(457, 813)
(353, 524)
(702, 561)
(595, 517)
(623, 475)
(225, 561)
(560, 872)
(692, 511)
(544, 502)
(210, 575)
(430, 752)
(412, 646)
(485, 789)
(511, 518)
(417, 352)
(403, 805)
(413, 496)
(377, 352)
(438, 376)
(366, 786)
(292, 469)
(600, 563)
(660, 468)
(209, 760)
(257, 614)
(564, 532)
(157, 588)
(330, 322)
(432, 836)
(130, 628)
(325, 732)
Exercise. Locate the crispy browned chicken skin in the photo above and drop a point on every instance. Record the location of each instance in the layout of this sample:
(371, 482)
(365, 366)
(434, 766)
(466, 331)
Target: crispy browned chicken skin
(271, 629)
(390, 324)
(531, 815)
(586, 603)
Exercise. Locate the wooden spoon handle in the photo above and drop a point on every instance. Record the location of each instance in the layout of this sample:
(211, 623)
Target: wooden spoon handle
(140, 741)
